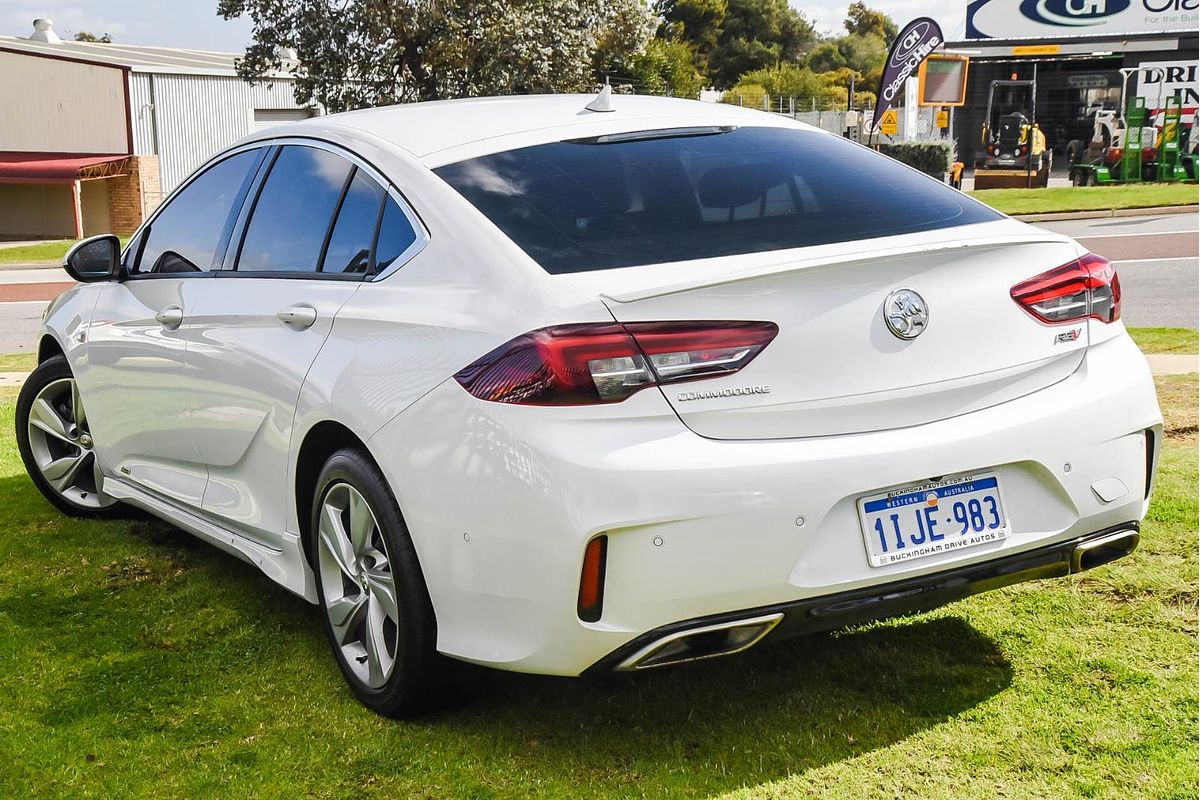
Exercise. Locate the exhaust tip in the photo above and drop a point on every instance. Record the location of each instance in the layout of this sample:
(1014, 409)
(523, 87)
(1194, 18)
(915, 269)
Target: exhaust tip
(709, 641)
(1104, 550)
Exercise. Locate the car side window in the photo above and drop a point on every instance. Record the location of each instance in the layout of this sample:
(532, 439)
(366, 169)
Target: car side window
(349, 248)
(185, 235)
(396, 235)
(294, 210)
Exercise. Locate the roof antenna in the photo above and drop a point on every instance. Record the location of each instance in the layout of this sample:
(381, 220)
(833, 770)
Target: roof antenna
(603, 101)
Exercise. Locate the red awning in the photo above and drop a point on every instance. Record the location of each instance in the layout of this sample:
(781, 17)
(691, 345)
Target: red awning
(41, 167)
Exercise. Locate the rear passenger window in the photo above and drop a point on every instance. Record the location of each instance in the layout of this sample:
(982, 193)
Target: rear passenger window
(185, 235)
(396, 235)
(294, 210)
(349, 249)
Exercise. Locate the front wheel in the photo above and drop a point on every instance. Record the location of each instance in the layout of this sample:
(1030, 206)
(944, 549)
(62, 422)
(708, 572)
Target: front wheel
(56, 443)
(377, 611)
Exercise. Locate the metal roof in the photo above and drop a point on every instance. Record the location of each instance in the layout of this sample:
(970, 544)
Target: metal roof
(138, 58)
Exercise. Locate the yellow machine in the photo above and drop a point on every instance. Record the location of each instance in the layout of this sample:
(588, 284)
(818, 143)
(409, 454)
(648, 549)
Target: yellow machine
(1014, 151)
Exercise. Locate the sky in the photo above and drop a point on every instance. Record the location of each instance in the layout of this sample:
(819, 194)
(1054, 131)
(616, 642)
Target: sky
(194, 23)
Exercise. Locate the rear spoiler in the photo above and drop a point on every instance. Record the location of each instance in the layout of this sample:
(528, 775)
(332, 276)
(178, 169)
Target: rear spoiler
(824, 259)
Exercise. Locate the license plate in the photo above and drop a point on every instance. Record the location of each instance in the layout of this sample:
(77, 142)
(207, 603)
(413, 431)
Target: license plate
(925, 519)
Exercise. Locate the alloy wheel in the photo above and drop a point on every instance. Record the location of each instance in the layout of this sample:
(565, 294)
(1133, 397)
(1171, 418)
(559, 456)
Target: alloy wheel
(357, 584)
(62, 445)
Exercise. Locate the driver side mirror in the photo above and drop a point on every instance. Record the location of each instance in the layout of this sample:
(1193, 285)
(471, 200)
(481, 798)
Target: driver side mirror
(97, 258)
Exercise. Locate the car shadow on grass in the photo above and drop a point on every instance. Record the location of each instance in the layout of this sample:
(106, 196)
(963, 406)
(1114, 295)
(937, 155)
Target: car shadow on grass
(774, 711)
(149, 639)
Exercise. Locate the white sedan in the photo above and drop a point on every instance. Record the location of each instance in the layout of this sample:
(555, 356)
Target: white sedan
(564, 387)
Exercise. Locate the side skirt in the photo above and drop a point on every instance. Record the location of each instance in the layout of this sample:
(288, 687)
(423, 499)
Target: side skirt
(287, 567)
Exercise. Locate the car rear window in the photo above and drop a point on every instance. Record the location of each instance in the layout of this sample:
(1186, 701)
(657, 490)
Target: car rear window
(592, 204)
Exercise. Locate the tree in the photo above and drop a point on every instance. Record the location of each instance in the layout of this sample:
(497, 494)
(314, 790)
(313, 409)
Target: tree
(732, 37)
(359, 53)
(667, 67)
(85, 36)
(697, 22)
(862, 52)
(826, 58)
(866, 21)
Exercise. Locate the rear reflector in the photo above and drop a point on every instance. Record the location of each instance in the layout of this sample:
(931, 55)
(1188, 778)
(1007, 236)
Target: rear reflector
(607, 362)
(591, 580)
(1086, 287)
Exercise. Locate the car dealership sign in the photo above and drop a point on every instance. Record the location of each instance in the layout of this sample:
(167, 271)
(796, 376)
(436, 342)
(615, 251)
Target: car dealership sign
(1157, 80)
(1020, 19)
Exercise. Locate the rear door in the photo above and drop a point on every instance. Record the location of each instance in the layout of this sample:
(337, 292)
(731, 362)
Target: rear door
(304, 247)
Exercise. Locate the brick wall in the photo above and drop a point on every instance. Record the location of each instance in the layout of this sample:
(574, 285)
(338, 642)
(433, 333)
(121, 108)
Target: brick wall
(134, 195)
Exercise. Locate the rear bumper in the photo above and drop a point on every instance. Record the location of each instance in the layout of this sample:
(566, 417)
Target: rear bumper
(899, 598)
(502, 501)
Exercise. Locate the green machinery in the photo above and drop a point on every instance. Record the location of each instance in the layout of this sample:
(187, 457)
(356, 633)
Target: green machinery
(1127, 150)
(1170, 150)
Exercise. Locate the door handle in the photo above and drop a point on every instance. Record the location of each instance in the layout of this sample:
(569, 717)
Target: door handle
(299, 316)
(170, 317)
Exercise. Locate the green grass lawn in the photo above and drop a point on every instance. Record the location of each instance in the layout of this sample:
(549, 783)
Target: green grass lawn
(40, 252)
(18, 362)
(1088, 198)
(1166, 340)
(136, 661)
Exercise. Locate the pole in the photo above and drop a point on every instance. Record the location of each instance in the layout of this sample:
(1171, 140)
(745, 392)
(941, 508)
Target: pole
(77, 203)
(1032, 122)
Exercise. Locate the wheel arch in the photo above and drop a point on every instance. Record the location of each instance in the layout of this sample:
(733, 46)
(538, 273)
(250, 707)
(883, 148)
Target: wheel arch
(321, 441)
(48, 348)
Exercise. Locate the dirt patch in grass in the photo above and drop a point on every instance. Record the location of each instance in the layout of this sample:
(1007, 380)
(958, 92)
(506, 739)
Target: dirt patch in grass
(150, 569)
(1177, 396)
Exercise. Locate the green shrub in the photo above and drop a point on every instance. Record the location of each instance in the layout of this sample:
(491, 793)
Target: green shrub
(932, 158)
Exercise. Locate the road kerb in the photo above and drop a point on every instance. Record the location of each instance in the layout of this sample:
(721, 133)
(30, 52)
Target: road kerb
(1058, 216)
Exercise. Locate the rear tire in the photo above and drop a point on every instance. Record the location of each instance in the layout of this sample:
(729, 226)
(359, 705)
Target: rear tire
(376, 609)
(56, 444)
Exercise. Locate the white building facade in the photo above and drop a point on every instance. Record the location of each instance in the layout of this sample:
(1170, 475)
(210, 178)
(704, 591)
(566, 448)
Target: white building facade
(93, 136)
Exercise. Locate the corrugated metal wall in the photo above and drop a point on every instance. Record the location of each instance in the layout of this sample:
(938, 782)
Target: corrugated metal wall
(50, 105)
(197, 115)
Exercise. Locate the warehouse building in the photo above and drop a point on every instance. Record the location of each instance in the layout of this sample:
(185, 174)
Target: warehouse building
(1075, 49)
(93, 136)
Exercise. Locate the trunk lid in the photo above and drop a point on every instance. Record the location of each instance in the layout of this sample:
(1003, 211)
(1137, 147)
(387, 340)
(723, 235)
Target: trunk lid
(835, 367)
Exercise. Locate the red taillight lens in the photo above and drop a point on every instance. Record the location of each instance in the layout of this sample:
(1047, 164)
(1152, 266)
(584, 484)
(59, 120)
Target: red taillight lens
(591, 580)
(607, 362)
(1087, 287)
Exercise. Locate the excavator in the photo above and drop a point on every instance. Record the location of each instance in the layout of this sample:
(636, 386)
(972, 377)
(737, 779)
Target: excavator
(1015, 153)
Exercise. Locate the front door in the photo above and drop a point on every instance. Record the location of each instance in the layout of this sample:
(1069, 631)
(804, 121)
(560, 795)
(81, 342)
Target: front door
(137, 387)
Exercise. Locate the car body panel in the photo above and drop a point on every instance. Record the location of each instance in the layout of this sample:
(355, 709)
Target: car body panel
(136, 387)
(244, 372)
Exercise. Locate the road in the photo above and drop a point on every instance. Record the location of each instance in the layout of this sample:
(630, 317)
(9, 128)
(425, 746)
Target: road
(1157, 261)
(1156, 258)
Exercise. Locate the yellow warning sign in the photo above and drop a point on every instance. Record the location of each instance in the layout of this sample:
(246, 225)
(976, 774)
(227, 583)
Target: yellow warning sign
(943, 119)
(889, 123)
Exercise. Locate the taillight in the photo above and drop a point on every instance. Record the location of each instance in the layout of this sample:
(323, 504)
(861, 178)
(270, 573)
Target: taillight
(607, 362)
(1087, 287)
